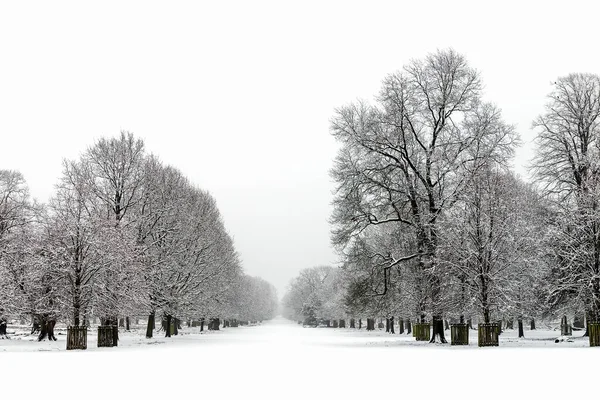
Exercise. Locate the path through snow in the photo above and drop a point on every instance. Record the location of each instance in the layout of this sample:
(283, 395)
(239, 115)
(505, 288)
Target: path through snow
(282, 360)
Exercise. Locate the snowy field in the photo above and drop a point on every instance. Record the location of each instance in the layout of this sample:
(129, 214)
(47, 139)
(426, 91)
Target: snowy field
(282, 360)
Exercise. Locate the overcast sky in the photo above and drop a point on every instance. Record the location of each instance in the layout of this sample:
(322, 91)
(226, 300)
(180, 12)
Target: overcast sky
(238, 94)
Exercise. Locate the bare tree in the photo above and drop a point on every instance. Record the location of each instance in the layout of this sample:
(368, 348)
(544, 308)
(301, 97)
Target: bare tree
(114, 169)
(402, 160)
(21, 260)
(15, 214)
(123, 234)
(567, 164)
(491, 245)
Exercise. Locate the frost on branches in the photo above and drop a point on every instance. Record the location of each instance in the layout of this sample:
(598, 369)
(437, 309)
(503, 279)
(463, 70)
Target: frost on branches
(123, 235)
(430, 222)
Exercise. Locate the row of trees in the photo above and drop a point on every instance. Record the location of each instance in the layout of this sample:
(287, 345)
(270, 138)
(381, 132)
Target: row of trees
(123, 235)
(430, 221)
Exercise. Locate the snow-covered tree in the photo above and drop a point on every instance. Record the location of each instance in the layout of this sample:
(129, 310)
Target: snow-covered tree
(567, 164)
(254, 300)
(75, 235)
(492, 246)
(315, 294)
(402, 161)
(123, 235)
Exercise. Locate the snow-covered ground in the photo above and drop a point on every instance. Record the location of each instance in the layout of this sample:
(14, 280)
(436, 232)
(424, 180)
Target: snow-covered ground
(282, 360)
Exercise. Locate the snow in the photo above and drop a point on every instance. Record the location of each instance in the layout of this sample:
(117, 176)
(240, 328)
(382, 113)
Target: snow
(283, 360)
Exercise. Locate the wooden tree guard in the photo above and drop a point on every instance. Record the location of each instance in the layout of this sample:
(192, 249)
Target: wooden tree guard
(76, 338)
(422, 332)
(488, 335)
(566, 330)
(459, 334)
(594, 332)
(105, 336)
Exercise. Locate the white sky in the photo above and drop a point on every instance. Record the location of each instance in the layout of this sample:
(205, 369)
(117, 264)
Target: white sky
(238, 94)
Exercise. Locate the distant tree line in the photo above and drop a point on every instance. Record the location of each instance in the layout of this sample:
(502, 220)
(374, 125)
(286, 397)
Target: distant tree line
(429, 220)
(123, 235)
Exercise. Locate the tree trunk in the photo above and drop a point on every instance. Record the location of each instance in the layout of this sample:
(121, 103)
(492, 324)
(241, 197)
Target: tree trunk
(202, 325)
(532, 324)
(167, 325)
(47, 328)
(51, 323)
(438, 330)
(400, 326)
(408, 327)
(35, 328)
(387, 325)
(510, 323)
(121, 322)
(176, 326)
(352, 324)
(392, 325)
(150, 327)
(76, 313)
(127, 324)
(115, 335)
(521, 333)
(360, 323)
(3, 323)
(446, 325)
